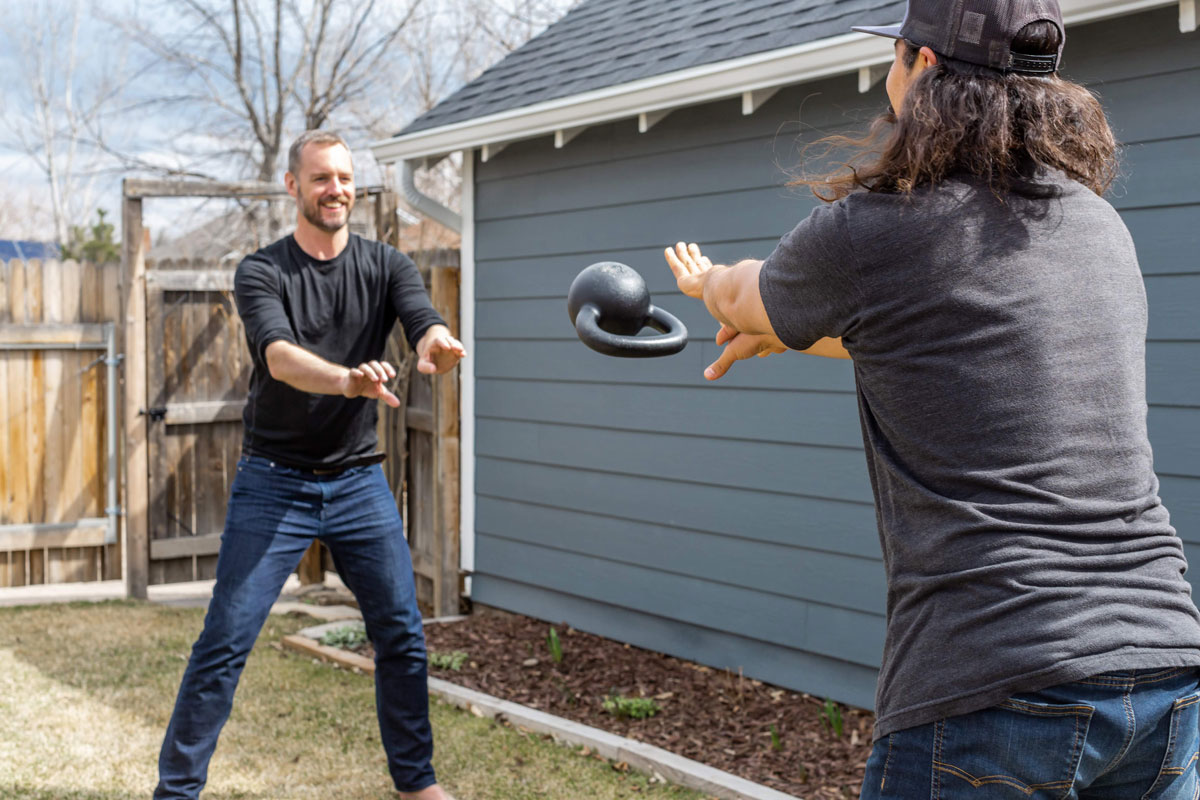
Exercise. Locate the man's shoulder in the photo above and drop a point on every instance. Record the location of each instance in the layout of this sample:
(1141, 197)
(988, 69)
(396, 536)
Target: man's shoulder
(272, 254)
(263, 264)
(375, 250)
(900, 216)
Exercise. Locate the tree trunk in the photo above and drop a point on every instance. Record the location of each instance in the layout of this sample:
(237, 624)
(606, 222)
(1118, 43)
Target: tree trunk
(266, 168)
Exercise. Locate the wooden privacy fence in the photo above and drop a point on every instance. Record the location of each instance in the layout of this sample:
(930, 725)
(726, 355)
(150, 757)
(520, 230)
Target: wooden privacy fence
(424, 432)
(187, 378)
(57, 480)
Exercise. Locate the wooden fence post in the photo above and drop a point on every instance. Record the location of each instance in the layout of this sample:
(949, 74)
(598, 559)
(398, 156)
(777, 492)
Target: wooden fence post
(311, 569)
(135, 555)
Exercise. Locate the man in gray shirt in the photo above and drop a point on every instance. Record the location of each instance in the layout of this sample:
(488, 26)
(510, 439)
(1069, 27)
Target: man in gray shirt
(1041, 638)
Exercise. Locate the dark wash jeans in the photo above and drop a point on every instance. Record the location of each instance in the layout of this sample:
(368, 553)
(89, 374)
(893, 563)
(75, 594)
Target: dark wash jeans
(1118, 736)
(274, 514)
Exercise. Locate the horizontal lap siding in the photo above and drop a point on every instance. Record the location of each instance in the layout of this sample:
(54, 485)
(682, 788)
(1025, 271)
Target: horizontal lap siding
(732, 523)
(1153, 102)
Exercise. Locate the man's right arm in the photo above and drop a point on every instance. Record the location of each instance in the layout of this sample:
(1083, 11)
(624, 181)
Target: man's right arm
(269, 334)
(308, 372)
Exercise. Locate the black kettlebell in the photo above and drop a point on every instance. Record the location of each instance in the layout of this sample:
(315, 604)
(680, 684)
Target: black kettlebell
(609, 303)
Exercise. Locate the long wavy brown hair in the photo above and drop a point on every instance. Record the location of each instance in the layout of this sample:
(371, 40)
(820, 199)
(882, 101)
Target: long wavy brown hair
(962, 118)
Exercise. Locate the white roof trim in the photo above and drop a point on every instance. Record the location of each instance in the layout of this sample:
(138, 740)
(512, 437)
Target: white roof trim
(753, 101)
(491, 149)
(647, 120)
(725, 79)
(564, 135)
(869, 76)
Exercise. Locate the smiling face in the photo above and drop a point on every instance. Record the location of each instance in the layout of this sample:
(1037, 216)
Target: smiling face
(324, 187)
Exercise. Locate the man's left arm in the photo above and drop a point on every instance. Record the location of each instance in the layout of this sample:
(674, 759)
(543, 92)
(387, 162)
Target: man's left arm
(732, 296)
(436, 348)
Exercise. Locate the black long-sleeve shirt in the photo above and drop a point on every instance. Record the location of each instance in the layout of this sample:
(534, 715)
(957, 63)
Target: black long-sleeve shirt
(342, 310)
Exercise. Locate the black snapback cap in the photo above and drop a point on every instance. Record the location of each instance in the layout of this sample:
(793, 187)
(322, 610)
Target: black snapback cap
(978, 31)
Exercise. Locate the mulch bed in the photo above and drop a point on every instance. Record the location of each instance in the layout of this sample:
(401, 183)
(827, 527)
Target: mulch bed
(719, 718)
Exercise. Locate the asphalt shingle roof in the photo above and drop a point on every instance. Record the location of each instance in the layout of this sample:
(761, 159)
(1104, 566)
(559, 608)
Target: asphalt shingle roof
(603, 43)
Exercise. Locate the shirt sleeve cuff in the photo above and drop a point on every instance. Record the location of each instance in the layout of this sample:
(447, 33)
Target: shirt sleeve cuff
(278, 335)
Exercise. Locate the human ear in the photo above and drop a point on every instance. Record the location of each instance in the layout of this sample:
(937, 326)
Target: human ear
(927, 58)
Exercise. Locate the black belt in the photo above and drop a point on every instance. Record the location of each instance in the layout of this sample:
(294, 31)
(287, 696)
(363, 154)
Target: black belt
(324, 472)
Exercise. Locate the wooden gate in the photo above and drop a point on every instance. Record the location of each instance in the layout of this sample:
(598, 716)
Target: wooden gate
(425, 478)
(187, 382)
(197, 380)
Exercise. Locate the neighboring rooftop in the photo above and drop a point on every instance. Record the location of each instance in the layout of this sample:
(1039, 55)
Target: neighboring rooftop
(228, 236)
(25, 250)
(602, 43)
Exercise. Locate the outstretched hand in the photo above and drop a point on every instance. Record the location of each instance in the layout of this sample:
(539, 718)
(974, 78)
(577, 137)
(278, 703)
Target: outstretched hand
(740, 346)
(689, 266)
(370, 380)
(692, 268)
(438, 351)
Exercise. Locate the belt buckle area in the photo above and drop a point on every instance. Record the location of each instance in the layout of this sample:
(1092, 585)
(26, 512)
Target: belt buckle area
(334, 471)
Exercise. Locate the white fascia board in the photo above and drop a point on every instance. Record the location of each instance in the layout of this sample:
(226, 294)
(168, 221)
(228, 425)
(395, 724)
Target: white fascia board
(662, 92)
(1077, 12)
(725, 79)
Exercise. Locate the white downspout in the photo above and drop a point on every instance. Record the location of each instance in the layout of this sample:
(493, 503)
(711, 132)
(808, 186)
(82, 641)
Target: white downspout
(425, 204)
(466, 432)
(464, 225)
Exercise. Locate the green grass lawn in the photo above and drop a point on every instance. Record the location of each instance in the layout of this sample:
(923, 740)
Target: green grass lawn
(86, 691)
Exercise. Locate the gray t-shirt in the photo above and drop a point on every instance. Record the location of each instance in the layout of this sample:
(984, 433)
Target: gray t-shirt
(999, 355)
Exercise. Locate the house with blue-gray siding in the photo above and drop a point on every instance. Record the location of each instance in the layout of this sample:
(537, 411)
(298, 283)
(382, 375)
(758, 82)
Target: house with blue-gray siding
(731, 523)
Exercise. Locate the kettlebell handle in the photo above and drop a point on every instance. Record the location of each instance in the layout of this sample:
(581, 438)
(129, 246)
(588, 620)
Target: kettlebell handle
(673, 339)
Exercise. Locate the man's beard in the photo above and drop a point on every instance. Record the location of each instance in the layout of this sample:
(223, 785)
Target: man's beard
(312, 213)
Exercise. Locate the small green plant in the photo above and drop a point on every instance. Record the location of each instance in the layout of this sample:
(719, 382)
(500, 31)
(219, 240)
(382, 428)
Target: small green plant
(453, 661)
(632, 707)
(554, 646)
(93, 244)
(831, 717)
(776, 741)
(347, 638)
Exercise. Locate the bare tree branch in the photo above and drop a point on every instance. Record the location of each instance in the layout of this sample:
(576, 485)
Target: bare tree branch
(52, 104)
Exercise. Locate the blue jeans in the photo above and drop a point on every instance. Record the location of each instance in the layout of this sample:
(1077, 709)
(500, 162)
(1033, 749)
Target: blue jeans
(274, 514)
(1117, 736)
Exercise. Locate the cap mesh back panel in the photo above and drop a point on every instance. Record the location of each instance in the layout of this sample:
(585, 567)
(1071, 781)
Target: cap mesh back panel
(978, 31)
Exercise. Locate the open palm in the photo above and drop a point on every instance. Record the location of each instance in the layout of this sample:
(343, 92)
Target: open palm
(689, 266)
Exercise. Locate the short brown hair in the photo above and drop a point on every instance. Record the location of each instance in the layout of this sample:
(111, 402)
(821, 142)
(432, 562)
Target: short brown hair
(311, 137)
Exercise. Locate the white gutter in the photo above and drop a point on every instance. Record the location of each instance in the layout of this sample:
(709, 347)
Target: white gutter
(701, 84)
(837, 55)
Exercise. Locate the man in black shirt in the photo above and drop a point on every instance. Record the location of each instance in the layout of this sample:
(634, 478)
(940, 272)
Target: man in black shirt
(318, 307)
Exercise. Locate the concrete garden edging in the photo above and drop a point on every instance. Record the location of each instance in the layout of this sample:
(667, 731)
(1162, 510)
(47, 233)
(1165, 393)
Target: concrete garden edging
(643, 757)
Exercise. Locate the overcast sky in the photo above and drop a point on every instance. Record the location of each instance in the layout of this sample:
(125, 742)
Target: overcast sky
(165, 135)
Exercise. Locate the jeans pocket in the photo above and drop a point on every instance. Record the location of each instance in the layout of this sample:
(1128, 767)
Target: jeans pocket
(1017, 749)
(1178, 778)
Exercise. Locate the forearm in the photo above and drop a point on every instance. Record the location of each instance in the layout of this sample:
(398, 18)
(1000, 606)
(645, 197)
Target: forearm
(731, 295)
(305, 370)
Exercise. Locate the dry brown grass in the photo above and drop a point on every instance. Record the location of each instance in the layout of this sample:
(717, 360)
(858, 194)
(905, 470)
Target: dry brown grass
(86, 691)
